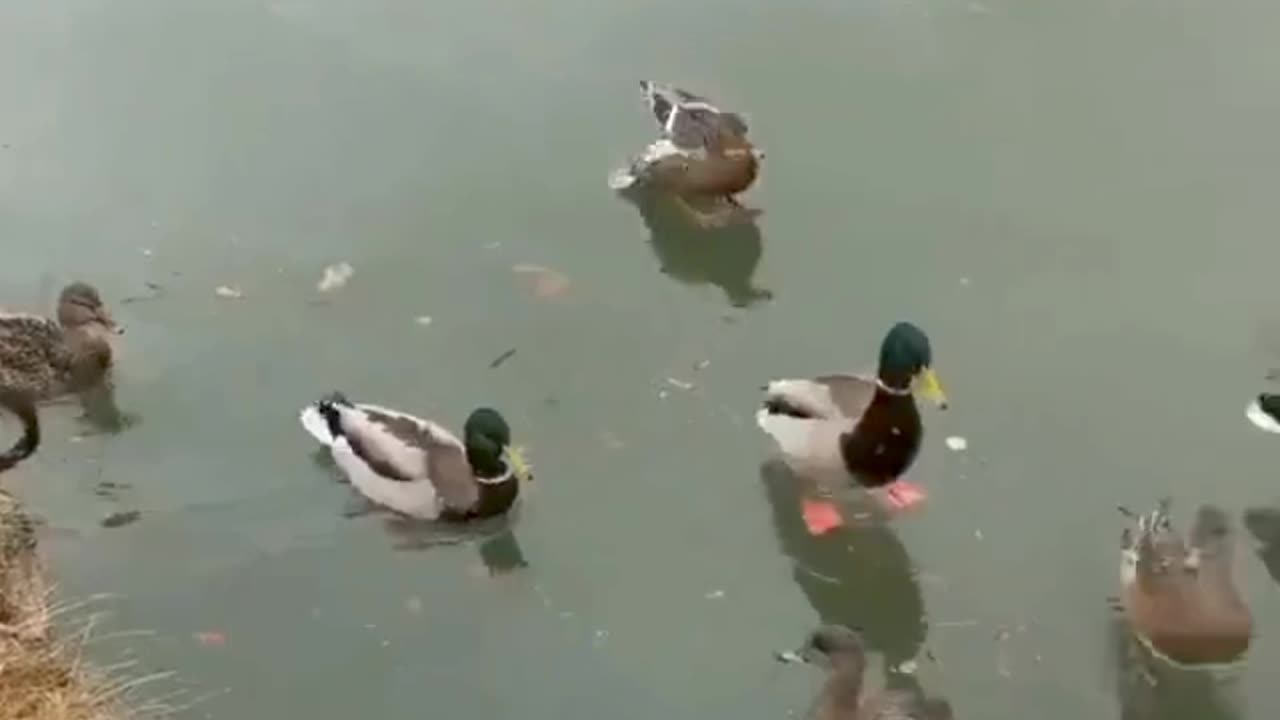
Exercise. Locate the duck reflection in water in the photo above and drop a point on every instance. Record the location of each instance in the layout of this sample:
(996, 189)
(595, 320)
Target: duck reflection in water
(858, 575)
(1147, 689)
(497, 545)
(1263, 524)
(726, 257)
(845, 695)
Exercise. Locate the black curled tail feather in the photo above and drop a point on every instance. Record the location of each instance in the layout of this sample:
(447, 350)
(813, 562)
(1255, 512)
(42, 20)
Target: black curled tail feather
(1270, 404)
(21, 406)
(328, 409)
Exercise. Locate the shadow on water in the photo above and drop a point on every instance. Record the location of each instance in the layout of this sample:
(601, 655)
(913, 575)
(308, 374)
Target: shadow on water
(1264, 524)
(1148, 688)
(725, 257)
(857, 575)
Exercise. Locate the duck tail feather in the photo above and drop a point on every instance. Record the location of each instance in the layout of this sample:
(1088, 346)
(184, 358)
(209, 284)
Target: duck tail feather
(323, 419)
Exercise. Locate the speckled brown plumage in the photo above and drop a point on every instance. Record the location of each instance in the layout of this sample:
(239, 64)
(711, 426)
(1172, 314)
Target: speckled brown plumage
(46, 358)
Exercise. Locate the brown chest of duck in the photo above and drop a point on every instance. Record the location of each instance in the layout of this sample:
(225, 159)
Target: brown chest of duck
(1180, 597)
(730, 166)
(885, 440)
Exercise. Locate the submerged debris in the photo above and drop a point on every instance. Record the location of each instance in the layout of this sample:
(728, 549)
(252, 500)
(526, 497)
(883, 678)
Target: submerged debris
(210, 638)
(335, 276)
(228, 292)
(120, 518)
(498, 361)
(547, 283)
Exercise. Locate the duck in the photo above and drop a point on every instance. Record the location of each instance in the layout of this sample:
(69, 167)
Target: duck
(1264, 412)
(1179, 596)
(840, 649)
(21, 406)
(45, 358)
(701, 160)
(852, 428)
(417, 467)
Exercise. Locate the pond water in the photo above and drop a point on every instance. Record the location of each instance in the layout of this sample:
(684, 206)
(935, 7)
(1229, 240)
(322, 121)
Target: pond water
(1075, 199)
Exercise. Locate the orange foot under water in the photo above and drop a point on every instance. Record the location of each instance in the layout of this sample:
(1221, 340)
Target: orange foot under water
(823, 516)
(820, 516)
(901, 494)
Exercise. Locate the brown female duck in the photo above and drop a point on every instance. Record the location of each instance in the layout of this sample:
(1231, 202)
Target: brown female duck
(45, 358)
(702, 159)
(1180, 597)
(842, 697)
(836, 428)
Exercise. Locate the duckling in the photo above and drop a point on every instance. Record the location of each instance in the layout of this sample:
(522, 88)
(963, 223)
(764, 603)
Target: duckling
(20, 405)
(702, 158)
(856, 429)
(841, 650)
(417, 467)
(46, 359)
(1179, 597)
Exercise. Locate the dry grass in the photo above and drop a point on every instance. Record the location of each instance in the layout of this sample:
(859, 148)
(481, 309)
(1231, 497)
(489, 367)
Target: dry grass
(42, 676)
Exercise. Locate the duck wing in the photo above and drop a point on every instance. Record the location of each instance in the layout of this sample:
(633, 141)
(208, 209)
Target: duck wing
(687, 119)
(34, 354)
(400, 447)
(851, 394)
(826, 397)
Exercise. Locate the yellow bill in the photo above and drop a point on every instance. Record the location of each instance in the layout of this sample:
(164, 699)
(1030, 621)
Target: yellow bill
(514, 457)
(929, 386)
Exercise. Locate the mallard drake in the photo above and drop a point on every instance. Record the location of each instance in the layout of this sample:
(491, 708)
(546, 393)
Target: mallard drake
(46, 358)
(417, 467)
(1264, 412)
(701, 159)
(848, 427)
(1179, 597)
(20, 405)
(842, 652)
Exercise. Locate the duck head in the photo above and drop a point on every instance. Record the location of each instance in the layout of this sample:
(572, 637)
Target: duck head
(487, 438)
(906, 363)
(81, 307)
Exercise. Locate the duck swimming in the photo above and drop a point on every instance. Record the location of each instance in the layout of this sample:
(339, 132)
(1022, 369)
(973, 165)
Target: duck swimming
(1264, 412)
(1180, 597)
(416, 466)
(841, 651)
(702, 158)
(852, 428)
(19, 404)
(46, 358)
